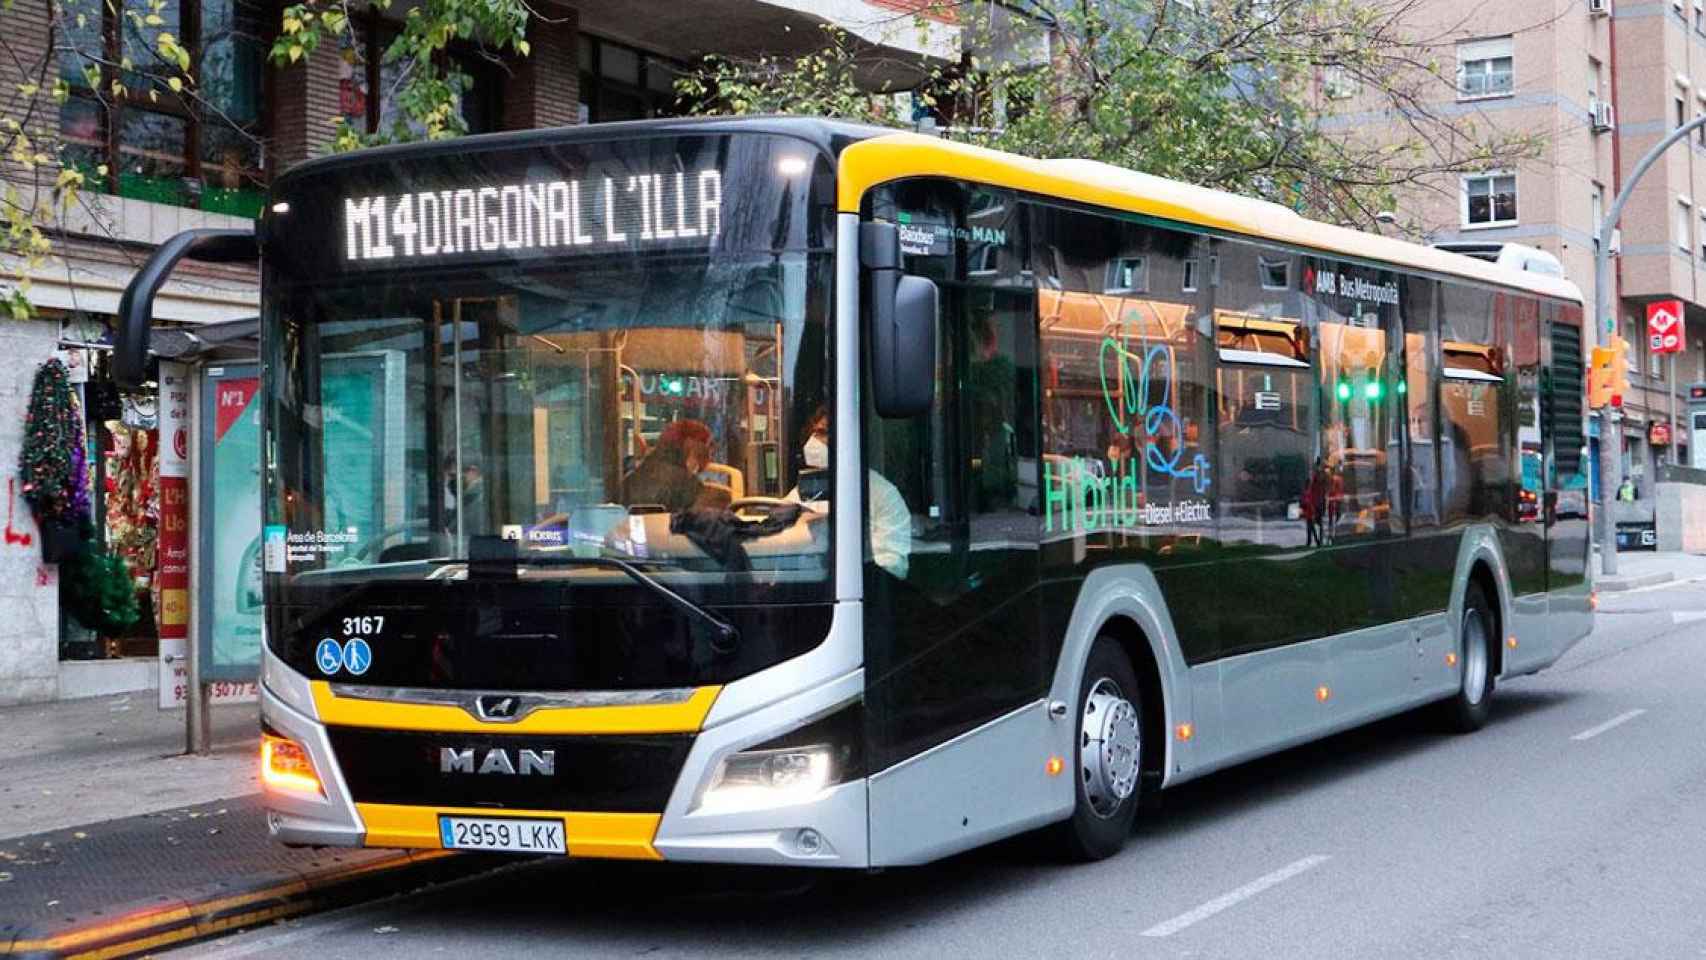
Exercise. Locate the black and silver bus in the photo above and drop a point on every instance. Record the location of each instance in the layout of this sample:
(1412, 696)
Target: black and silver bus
(786, 491)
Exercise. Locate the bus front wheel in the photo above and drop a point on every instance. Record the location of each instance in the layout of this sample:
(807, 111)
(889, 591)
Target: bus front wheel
(1467, 710)
(1108, 755)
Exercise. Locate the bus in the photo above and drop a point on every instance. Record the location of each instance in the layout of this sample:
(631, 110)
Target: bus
(786, 491)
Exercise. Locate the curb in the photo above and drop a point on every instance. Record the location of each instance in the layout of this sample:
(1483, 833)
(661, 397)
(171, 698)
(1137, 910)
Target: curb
(130, 929)
(1618, 584)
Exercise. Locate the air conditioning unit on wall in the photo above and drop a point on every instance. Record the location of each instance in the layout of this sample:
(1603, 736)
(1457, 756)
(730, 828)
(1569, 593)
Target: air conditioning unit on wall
(1599, 8)
(1604, 118)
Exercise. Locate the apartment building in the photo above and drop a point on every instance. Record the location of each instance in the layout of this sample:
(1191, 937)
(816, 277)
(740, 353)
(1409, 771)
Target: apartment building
(1600, 82)
(157, 163)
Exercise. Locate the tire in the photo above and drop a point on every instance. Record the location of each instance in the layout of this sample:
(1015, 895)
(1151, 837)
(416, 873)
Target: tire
(1468, 708)
(1107, 758)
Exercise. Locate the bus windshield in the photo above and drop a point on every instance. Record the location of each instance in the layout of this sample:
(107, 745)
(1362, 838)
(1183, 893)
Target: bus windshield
(519, 414)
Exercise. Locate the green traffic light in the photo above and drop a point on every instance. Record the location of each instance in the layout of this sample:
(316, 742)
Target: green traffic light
(1344, 390)
(1373, 389)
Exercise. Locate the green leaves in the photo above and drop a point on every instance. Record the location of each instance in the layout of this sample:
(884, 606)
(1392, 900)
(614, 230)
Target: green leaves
(427, 91)
(1227, 95)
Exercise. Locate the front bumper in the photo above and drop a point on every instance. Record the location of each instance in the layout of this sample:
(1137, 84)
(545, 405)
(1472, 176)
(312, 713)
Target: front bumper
(827, 829)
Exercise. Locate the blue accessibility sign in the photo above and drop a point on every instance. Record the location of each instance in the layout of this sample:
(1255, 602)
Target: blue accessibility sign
(329, 656)
(357, 656)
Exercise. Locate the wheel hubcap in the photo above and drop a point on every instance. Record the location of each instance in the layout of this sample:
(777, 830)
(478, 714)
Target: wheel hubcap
(1109, 748)
(1474, 657)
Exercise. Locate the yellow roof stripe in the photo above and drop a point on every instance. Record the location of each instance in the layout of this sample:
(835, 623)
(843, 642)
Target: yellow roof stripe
(893, 156)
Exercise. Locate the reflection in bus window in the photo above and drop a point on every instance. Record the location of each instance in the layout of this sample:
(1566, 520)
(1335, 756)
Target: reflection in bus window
(1359, 442)
(1267, 412)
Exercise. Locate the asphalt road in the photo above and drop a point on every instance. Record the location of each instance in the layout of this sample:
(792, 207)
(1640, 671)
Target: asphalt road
(1574, 825)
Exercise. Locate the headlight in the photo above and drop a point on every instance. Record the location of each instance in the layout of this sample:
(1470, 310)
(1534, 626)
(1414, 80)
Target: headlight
(767, 778)
(792, 768)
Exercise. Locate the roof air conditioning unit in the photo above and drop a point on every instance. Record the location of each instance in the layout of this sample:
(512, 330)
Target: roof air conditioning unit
(1604, 118)
(1599, 8)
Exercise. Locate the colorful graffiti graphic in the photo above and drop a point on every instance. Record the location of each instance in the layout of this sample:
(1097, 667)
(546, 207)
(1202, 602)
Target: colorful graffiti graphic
(1127, 397)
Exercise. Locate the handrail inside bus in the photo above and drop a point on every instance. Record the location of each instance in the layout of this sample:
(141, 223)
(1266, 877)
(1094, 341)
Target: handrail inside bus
(136, 307)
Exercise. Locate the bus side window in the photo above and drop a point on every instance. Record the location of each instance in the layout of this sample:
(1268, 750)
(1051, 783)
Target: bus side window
(1421, 351)
(1475, 459)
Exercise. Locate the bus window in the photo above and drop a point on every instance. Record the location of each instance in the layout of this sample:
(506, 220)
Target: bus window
(1267, 410)
(1476, 459)
(1420, 363)
(1359, 452)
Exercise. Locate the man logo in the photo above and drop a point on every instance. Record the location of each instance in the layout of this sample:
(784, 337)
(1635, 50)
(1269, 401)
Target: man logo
(499, 707)
(497, 761)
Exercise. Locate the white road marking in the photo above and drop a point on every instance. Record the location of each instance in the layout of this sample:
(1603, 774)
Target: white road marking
(1248, 890)
(1616, 721)
(1668, 584)
(1687, 616)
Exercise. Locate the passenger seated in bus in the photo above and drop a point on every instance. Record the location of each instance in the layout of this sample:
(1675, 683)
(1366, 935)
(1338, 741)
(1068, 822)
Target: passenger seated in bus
(890, 518)
(668, 476)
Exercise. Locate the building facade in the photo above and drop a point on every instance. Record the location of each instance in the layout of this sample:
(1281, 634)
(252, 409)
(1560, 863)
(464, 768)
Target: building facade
(155, 163)
(1598, 83)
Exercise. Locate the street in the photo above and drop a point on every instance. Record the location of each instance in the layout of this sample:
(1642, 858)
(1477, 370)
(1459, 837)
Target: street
(1571, 826)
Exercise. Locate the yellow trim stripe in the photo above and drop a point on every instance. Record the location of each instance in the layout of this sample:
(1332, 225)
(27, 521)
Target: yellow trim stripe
(687, 716)
(617, 836)
(882, 159)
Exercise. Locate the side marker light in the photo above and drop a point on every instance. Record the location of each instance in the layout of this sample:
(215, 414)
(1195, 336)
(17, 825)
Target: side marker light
(1451, 659)
(1511, 640)
(1054, 766)
(1322, 693)
(1186, 731)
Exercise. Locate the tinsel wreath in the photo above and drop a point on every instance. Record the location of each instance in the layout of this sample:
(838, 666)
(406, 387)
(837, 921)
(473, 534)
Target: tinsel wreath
(52, 462)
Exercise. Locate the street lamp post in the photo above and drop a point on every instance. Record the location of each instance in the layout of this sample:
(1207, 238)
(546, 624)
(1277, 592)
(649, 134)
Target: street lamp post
(1610, 445)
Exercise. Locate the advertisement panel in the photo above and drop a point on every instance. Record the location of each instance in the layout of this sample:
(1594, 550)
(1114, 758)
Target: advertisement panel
(230, 626)
(173, 563)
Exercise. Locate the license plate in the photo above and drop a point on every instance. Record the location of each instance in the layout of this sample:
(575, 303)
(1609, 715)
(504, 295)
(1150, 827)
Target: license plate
(508, 835)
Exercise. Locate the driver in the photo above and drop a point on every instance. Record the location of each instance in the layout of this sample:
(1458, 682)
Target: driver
(669, 474)
(890, 518)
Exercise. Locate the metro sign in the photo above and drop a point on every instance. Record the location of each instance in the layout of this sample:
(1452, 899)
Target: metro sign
(1664, 326)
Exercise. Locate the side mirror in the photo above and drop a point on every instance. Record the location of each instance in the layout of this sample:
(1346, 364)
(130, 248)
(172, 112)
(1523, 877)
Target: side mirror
(901, 326)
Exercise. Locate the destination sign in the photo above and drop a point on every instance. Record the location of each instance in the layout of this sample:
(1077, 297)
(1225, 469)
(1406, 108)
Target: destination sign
(585, 215)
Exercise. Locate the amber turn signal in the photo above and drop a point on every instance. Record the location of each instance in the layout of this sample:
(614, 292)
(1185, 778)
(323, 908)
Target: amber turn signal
(285, 766)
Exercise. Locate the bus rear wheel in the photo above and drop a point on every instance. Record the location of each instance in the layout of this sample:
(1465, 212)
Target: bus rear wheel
(1467, 710)
(1108, 755)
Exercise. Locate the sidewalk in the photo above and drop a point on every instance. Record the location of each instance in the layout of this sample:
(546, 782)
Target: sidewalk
(114, 844)
(1640, 568)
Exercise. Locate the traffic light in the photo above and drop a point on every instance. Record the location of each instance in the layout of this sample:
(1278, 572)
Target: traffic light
(1619, 370)
(1599, 377)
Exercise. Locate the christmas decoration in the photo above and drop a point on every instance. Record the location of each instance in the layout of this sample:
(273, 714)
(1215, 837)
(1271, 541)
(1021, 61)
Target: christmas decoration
(53, 463)
(133, 498)
(100, 594)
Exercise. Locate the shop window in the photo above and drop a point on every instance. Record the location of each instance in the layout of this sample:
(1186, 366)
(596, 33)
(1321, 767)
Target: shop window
(618, 82)
(199, 148)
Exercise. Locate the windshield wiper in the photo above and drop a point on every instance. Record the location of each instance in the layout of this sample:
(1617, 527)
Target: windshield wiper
(727, 637)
